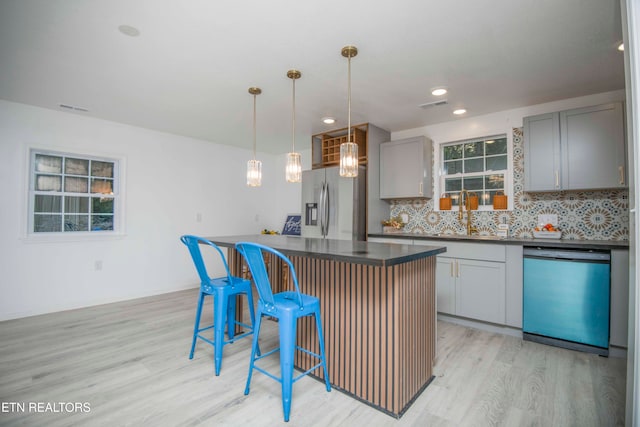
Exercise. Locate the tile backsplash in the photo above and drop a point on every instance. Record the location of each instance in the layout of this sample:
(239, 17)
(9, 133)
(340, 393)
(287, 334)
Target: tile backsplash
(582, 215)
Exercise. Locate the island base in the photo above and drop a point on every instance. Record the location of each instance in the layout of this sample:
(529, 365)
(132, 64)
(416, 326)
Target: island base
(379, 326)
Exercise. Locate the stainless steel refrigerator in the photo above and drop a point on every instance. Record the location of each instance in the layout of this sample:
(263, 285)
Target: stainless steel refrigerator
(334, 207)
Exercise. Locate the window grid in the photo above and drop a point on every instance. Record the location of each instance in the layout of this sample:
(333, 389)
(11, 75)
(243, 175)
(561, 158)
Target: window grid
(72, 193)
(479, 166)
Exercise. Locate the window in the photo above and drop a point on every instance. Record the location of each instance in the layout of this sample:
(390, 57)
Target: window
(71, 193)
(477, 165)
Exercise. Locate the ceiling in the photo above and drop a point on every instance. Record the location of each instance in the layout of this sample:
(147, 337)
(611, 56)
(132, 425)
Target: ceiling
(189, 69)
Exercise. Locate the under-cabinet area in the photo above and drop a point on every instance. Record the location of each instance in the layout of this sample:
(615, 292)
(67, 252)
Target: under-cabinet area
(482, 281)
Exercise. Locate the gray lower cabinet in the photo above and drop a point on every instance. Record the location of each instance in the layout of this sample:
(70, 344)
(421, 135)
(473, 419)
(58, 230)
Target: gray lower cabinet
(405, 169)
(445, 285)
(577, 149)
(471, 280)
(480, 290)
(514, 281)
(619, 297)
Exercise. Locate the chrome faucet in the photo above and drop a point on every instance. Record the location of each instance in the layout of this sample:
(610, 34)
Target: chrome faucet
(470, 228)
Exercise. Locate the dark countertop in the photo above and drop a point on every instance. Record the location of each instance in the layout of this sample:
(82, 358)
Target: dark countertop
(379, 254)
(549, 243)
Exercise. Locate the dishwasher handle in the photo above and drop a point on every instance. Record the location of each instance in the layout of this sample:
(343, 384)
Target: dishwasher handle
(567, 254)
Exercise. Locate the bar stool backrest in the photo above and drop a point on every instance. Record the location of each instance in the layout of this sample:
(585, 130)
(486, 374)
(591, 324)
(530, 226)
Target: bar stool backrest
(193, 243)
(253, 254)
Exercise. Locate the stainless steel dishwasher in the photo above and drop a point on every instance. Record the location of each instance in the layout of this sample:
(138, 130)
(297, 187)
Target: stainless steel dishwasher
(566, 298)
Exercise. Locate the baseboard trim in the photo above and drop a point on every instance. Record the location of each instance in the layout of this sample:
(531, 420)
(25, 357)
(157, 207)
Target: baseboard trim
(614, 351)
(484, 326)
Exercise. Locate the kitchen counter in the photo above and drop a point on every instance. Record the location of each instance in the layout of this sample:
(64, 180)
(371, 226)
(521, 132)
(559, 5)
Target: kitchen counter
(550, 243)
(368, 253)
(378, 309)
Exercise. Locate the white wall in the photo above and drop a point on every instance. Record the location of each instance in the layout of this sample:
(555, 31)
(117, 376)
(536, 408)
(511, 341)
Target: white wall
(169, 180)
(500, 122)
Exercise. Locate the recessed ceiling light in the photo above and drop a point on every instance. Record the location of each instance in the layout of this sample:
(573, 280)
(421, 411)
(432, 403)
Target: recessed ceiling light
(328, 120)
(621, 47)
(459, 111)
(438, 91)
(128, 30)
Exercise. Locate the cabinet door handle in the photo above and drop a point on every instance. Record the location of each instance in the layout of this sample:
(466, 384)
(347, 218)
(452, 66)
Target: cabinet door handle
(451, 269)
(457, 268)
(557, 179)
(621, 171)
(420, 190)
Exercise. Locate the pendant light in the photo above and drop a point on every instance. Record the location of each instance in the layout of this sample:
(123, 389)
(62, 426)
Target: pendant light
(349, 149)
(254, 167)
(293, 170)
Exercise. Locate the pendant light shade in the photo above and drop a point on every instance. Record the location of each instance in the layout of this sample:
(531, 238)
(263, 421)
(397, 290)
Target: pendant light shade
(254, 173)
(293, 169)
(349, 149)
(254, 167)
(349, 159)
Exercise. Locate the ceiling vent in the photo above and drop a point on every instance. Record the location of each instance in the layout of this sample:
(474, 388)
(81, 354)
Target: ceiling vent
(433, 104)
(73, 107)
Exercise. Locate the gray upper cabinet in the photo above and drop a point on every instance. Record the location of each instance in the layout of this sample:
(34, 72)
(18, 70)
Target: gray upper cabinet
(405, 169)
(594, 149)
(542, 152)
(580, 149)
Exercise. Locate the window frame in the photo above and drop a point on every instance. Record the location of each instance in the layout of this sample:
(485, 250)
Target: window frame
(439, 175)
(117, 196)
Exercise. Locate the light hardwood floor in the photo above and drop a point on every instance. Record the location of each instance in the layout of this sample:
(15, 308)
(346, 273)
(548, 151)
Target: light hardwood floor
(129, 362)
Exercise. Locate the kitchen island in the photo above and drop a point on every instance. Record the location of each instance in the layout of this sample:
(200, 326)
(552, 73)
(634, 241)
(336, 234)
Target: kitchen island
(378, 312)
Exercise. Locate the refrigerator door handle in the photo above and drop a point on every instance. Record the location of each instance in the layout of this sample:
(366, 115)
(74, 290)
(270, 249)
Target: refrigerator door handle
(326, 206)
(321, 209)
(322, 203)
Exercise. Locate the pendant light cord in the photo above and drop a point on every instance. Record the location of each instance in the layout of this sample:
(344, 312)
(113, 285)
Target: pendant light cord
(349, 102)
(254, 127)
(293, 121)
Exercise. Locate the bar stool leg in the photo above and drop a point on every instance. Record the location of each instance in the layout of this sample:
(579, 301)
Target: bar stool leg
(287, 329)
(254, 347)
(322, 356)
(231, 316)
(196, 326)
(220, 312)
(253, 318)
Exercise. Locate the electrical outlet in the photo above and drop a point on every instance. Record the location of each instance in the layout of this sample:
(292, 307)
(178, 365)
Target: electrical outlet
(98, 265)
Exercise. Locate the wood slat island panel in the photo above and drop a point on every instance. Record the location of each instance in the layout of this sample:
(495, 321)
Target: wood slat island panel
(378, 325)
(378, 315)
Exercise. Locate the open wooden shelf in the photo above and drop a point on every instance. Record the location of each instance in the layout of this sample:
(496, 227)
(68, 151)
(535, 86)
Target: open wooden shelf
(326, 146)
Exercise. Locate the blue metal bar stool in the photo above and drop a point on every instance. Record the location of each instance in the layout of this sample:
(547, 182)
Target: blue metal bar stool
(224, 291)
(287, 307)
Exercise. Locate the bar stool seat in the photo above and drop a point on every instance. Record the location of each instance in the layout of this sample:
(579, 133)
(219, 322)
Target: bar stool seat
(224, 291)
(287, 307)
